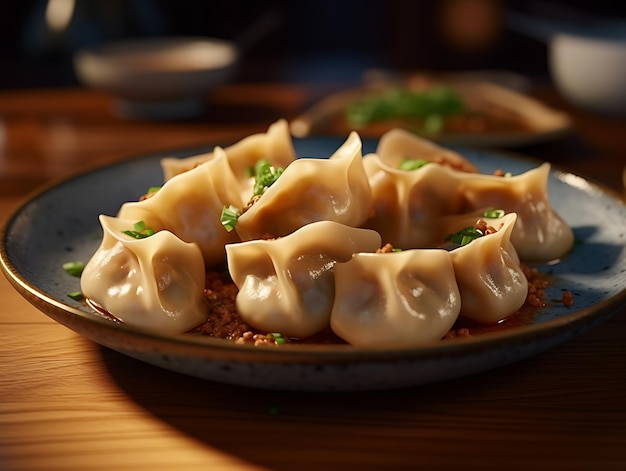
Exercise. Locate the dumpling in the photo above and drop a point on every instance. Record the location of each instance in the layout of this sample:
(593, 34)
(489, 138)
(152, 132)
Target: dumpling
(286, 285)
(275, 146)
(155, 283)
(540, 233)
(190, 206)
(488, 273)
(396, 300)
(310, 190)
(407, 205)
(399, 144)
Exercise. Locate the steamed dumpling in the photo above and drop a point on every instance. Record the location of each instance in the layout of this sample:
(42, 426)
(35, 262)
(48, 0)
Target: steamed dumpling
(398, 300)
(275, 146)
(540, 233)
(286, 285)
(190, 206)
(399, 144)
(310, 190)
(408, 205)
(488, 273)
(155, 283)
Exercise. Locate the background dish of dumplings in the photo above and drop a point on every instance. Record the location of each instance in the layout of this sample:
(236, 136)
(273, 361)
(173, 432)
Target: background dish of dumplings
(46, 232)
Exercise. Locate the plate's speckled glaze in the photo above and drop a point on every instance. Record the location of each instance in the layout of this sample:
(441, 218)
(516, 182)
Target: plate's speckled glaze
(60, 223)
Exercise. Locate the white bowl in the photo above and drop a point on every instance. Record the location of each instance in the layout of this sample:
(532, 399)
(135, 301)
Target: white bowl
(589, 66)
(167, 77)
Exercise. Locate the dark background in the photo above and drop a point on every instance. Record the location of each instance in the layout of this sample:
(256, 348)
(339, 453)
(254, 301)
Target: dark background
(320, 40)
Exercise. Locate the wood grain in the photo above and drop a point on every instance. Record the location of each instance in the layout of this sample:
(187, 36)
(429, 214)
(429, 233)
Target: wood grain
(69, 404)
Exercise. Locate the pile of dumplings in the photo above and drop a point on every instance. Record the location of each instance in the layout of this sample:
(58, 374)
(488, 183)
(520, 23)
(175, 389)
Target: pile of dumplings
(305, 256)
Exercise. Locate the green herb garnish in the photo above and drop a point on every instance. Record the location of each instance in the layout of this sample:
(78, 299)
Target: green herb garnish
(465, 235)
(278, 338)
(265, 176)
(140, 231)
(229, 217)
(411, 164)
(431, 107)
(74, 268)
(153, 189)
(494, 213)
(76, 295)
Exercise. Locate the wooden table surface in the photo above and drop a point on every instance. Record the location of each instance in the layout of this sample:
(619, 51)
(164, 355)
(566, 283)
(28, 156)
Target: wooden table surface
(69, 404)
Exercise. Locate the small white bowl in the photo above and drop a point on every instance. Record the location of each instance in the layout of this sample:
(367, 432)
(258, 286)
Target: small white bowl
(589, 67)
(158, 78)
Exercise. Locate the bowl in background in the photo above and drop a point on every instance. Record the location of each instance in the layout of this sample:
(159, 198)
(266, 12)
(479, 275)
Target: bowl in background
(588, 66)
(586, 56)
(158, 78)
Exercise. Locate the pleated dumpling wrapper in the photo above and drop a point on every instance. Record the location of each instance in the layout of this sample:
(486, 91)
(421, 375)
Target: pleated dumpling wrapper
(395, 300)
(155, 282)
(488, 273)
(311, 190)
(190, 205)
(286, 285)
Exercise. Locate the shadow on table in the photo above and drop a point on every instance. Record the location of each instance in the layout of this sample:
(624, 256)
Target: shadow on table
(495, 414)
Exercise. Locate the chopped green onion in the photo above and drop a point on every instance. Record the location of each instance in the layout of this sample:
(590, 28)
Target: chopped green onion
(396, 250)
(153, 189)
(465, 235)
(76, 295)
(265, 176)
(74, 268)
(493, 213)
(411, 164)
(278, 338)
(229, 217)
(433, 124)
(431, 106)
(508, 175)
(140, 231)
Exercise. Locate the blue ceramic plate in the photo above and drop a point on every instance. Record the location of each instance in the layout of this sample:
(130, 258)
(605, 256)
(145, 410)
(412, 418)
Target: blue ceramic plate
(60, 223)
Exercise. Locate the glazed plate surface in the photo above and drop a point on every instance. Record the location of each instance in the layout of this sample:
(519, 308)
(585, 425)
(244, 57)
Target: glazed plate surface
(60, 223)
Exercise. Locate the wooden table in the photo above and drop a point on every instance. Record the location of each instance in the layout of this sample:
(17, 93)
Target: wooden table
(69, 404)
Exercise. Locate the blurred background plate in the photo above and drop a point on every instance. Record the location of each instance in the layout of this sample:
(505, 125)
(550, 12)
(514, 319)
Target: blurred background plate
(492, 109)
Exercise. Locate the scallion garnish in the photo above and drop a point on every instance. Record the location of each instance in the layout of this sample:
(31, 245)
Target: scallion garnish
(140, 231)
(493, 213)
(278, 338)
(76, 295)
(153, 189)
(265, 176)
(229, 217)
(74, 268)
(508, 175)
(411, 164)
(465, 235)
(431, 107)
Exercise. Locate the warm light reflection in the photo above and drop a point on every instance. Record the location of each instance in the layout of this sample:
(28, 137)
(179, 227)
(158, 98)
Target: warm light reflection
(59, 14)
(578, 182)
